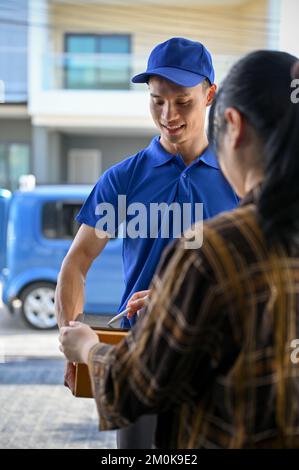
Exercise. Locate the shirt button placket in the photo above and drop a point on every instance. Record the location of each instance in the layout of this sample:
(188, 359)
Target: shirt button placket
(184, 189)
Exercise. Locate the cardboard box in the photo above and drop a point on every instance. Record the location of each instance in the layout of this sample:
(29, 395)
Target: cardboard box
(82, 380)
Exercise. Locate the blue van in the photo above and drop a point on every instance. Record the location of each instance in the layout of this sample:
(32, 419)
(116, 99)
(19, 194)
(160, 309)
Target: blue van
(37, 228)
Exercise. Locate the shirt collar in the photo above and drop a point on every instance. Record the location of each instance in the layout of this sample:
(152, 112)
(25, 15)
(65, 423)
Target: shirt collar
(209, 158)
(160, 156)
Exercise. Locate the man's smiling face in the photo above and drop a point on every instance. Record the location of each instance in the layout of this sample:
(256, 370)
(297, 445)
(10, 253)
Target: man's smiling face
(178, 112)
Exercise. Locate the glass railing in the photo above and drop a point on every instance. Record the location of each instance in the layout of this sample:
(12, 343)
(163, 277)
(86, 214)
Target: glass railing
(88, 71)
(105, 71)
(13, 74)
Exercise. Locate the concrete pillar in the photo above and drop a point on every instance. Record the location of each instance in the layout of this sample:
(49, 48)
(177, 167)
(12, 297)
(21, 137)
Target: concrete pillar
(54, 157)
(40, 151)
(46, 148)
(38, 47)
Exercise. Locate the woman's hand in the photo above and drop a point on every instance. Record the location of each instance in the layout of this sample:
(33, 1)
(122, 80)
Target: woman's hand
(137, 302)
(76, 341)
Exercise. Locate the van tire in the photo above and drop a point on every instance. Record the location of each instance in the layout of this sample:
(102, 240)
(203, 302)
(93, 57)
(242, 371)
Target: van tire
(36, 298)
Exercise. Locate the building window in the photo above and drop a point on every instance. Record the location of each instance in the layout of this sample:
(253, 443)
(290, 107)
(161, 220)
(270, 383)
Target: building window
(97, 62)
(58, 219)
(14, 162)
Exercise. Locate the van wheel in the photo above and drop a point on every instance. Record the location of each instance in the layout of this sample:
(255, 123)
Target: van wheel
(38, 305)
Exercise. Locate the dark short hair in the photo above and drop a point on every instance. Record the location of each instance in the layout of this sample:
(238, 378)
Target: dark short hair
(206, 83)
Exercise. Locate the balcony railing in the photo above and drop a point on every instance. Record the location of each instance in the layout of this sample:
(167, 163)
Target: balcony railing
(71, 71)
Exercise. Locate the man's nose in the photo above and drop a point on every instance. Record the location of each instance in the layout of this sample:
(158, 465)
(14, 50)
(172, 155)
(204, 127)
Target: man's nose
(169, 112)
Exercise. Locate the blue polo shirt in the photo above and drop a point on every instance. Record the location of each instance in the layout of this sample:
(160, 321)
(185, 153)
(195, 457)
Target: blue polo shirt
(155, 176)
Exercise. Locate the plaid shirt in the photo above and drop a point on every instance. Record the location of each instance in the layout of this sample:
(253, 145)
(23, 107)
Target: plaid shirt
(212, 354)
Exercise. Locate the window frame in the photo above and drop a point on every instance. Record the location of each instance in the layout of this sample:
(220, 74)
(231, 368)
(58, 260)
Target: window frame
(67, 35)
(58, 233)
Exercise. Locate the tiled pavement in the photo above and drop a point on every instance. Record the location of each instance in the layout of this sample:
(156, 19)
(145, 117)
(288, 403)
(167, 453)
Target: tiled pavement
(38, 412)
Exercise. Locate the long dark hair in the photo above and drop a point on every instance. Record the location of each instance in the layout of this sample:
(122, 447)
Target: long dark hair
(259, 86)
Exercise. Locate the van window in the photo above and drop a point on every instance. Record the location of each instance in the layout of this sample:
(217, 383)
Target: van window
(58, 219)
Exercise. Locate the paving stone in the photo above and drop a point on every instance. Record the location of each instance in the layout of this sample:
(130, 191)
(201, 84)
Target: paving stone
(38, 412)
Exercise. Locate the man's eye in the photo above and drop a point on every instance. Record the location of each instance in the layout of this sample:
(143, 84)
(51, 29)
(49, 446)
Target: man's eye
(160, 103)
(184, 103)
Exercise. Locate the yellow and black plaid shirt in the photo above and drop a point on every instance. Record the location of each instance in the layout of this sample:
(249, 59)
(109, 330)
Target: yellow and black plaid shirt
(212, 354)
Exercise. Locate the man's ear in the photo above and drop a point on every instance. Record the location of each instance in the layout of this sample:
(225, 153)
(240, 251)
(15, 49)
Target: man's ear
(235, 125)
(211, 94)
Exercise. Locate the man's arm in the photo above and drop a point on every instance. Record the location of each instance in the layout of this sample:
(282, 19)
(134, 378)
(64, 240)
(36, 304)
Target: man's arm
(69, 296)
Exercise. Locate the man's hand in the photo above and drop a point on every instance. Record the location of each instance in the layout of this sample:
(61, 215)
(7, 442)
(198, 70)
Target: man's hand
(137, 302)
(76, 341)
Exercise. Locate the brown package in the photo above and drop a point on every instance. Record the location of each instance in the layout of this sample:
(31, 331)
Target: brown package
(82, 380)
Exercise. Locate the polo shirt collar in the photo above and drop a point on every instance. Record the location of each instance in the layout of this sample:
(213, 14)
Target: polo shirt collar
(209, 158)
(160, 156)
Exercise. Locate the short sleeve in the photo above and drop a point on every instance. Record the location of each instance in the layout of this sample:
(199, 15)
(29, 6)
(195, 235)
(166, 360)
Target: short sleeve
(103, 209)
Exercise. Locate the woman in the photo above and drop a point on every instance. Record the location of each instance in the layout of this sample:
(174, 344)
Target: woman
(212, 356)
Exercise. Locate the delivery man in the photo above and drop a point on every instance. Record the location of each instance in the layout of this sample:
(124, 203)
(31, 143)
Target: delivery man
(177, 167)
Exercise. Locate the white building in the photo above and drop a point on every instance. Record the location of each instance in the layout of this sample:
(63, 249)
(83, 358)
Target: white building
(83, 114)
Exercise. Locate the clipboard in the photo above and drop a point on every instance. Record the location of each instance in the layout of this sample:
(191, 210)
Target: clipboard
(97, 322)
(106, 334)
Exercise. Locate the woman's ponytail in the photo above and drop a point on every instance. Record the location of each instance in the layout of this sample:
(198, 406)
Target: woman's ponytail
(259, 86)
(278, 205)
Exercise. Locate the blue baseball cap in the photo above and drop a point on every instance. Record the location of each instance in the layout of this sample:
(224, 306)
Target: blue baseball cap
(181, 61)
